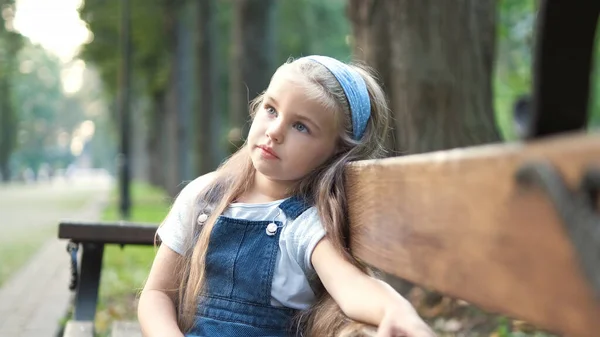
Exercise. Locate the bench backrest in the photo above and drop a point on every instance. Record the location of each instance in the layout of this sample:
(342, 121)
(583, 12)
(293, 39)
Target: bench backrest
(459, 222)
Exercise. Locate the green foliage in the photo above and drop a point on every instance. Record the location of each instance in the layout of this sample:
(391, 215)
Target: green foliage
(37, 119)
(513, 77)
(312, 27)
(148, 36)
(514, 61)
(504, 329)
(300, 28)
(10, 43)
(594, 110)
(43, 109)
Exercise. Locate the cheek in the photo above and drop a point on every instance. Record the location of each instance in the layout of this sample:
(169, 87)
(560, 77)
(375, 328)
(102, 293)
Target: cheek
(316, 154)
(327, 150)
(256, 127)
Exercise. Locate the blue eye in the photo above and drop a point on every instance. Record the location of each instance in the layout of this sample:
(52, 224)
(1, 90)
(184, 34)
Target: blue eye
(270, 110)
(301, 127)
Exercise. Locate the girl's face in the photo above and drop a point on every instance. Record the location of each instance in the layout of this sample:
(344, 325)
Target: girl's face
(291, 134)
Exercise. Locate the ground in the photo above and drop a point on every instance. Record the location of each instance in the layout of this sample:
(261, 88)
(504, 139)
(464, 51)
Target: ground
(34, 265)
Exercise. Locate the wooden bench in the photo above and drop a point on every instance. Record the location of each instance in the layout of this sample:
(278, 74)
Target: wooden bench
(91, 237)
(510, 228)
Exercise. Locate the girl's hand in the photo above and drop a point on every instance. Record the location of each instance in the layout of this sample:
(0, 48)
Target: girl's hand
(403, 323)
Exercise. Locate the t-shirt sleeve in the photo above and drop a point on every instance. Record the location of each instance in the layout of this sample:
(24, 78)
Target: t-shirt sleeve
(177, 229)
(307, 232)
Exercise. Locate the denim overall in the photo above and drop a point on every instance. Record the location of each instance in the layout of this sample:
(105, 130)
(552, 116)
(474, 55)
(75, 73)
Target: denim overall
(240, 263)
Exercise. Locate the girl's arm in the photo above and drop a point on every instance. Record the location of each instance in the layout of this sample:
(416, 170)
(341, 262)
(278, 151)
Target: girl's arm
(156, 308)
(364, 298)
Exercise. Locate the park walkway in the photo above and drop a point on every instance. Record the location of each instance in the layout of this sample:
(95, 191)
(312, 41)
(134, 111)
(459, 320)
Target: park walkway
(35, 299)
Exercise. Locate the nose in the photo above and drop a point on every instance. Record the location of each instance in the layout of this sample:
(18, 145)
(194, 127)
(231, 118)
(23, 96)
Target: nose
(275, 131)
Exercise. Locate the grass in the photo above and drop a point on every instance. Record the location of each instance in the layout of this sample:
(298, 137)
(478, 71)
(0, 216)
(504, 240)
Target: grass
(149, 204)
(125, 269)
(21, 244)
(20, 249)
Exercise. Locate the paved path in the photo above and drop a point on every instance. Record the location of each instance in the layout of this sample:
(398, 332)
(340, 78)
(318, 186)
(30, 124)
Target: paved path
(34, 299)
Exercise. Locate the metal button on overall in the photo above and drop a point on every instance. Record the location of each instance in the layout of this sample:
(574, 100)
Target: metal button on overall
(271, 229)
(202, 218)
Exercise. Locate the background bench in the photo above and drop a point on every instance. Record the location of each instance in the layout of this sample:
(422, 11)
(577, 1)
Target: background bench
(90, 238)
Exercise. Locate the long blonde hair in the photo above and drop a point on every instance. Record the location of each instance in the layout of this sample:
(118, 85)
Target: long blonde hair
(324, 187)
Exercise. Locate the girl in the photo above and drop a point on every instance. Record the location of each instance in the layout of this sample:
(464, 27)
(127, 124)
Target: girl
(260, 247)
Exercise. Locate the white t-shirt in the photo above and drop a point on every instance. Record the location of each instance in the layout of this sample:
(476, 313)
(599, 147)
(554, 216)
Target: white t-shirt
(298, 238)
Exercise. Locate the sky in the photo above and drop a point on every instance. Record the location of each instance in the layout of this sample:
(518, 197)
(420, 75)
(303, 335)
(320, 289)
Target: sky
(56, 26)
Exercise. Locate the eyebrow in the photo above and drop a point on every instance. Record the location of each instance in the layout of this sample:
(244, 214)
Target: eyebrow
(297, 115)
(270, 98)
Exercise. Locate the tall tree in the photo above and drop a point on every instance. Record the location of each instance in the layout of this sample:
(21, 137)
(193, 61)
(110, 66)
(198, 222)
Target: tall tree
(10, 44)
(208, 116)
(151, 65)
(172, 99)
(252, 57)
(47, 118)
(436, 62)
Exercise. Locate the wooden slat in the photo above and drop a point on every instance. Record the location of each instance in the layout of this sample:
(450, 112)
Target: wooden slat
(456, 222)
(108, 232)
(79, 329)
(126, 329)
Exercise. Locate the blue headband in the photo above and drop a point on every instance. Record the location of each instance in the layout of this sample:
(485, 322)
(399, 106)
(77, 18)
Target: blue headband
(355, 89)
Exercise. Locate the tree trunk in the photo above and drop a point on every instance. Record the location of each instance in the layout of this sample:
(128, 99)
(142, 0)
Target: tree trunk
(372, 44)
(436, 62)
(172, 136)
(7, 127)
(11, 44)
(252, 57)
(155, 146)
(140, 164)
(187, 89)
(208, 113)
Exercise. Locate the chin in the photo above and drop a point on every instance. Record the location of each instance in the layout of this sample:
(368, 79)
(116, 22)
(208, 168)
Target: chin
(265, 168)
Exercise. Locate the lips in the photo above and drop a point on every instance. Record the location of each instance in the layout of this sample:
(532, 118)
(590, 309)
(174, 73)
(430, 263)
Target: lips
(268, 150)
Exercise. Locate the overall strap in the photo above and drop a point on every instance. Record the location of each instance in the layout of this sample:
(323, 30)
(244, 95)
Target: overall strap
(294, 206)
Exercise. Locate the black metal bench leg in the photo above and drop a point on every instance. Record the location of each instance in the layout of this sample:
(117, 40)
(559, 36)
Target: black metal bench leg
(86, 297)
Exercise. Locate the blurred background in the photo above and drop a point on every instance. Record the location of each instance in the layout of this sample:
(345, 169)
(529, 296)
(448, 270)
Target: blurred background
(108, 107)
(190, 68)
